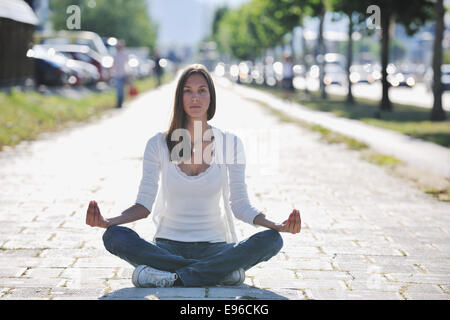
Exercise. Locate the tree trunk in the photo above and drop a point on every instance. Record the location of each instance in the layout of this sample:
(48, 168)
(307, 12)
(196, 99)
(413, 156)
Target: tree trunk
(293, 46)
(304, 54)
(350, 98)
(437, 113)
(385, 104)
(322, 53)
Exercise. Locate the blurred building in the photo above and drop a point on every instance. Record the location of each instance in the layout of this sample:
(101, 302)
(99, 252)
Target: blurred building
(17, 25)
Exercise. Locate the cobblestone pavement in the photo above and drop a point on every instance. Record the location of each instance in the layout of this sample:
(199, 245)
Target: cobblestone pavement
(365, 234)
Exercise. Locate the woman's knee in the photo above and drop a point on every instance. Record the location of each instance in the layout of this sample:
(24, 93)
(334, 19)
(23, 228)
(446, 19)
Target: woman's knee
(273, 242)
(111, 235)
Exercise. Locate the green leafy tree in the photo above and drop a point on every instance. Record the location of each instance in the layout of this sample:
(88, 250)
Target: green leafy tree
(123, 19)
(236, 35)
(287, 14)
(247, 31)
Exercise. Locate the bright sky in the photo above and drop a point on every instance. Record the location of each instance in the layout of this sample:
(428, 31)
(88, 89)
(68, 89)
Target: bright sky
(184, 22)
(231, 3)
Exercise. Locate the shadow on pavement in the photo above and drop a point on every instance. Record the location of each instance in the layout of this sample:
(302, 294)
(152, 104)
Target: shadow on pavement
(243, 292)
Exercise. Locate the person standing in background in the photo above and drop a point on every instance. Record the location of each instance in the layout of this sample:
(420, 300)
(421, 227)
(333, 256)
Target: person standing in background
(120, 72)
(288, 75)
(158, 68)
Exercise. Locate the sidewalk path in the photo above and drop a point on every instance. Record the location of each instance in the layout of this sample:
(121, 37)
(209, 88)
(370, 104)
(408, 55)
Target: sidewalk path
(365, 234)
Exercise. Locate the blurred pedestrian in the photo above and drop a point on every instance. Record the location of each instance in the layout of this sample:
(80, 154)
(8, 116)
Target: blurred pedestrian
(288, 75)
(195, 243)
(120, 72)
(158, 68)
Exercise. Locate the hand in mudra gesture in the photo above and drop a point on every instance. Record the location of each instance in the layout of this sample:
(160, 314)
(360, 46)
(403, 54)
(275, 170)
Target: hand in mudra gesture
(94, 217)
(293, 224)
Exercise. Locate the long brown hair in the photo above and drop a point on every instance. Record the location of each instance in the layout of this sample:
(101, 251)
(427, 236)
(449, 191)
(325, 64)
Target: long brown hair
(178, 120)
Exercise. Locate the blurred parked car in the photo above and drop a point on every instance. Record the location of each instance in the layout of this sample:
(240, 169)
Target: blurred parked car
(365, 73)
(334, 74)
(401, 78)
(85, 54)
(49, 71)
(140, 67)
(257, 73)
(84, 72)
(445, 78)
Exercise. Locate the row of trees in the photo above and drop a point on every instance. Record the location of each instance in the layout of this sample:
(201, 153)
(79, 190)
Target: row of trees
(248, 31)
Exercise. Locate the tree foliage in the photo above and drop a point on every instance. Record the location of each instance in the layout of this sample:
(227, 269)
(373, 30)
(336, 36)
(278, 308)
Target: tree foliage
(245, 32)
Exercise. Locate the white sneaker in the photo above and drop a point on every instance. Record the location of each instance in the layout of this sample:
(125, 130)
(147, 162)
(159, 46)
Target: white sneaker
(235, 278)
(145, 276)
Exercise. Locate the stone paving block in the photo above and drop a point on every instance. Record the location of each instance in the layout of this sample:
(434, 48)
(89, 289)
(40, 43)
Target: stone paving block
(321, 294)
(374, 283)
(323, 275)
(245, 292)
(85, 283)
(100, 262)
(88, 273)
(303, 251)
(299, 283)
(44, 272)
(421, 251)
(23, 282)
(11, 271)
(18, 261)
(326, 294)
(75, 253)
(36, 293)
(423, 288)
(445, 288)
(362, 251)
(115, 284)
(308, 264)
(60, 262)
(426, 296)
(273, 272)
(3, 291)
(125, 272)
(356, 268)
(76, 294)
(419, 278)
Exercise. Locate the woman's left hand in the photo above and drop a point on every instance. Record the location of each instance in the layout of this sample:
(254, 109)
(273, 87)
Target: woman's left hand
(293, 224)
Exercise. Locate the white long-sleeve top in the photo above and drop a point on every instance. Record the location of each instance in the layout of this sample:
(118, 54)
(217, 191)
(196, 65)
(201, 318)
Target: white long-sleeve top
(193, 211)
(229, 160)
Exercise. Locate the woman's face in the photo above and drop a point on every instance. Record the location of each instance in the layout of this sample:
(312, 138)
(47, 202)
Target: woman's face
(196, 97)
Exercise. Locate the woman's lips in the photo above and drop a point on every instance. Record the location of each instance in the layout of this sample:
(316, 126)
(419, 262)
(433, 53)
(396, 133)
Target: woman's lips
(195, 107)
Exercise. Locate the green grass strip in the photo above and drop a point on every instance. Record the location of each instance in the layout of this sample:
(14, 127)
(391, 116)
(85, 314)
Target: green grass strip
(24, 115)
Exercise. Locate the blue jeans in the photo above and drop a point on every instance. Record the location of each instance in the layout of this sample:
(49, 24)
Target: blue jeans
(196, 263)
(119, 83)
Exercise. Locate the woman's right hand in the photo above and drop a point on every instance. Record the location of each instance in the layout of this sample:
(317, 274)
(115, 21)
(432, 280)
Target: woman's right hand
(94, 217)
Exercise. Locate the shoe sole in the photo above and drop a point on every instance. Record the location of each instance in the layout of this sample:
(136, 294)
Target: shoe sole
(242, 277)
(136, 274)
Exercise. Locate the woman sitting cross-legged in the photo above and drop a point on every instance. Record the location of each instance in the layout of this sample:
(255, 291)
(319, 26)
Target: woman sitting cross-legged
(195, 243)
